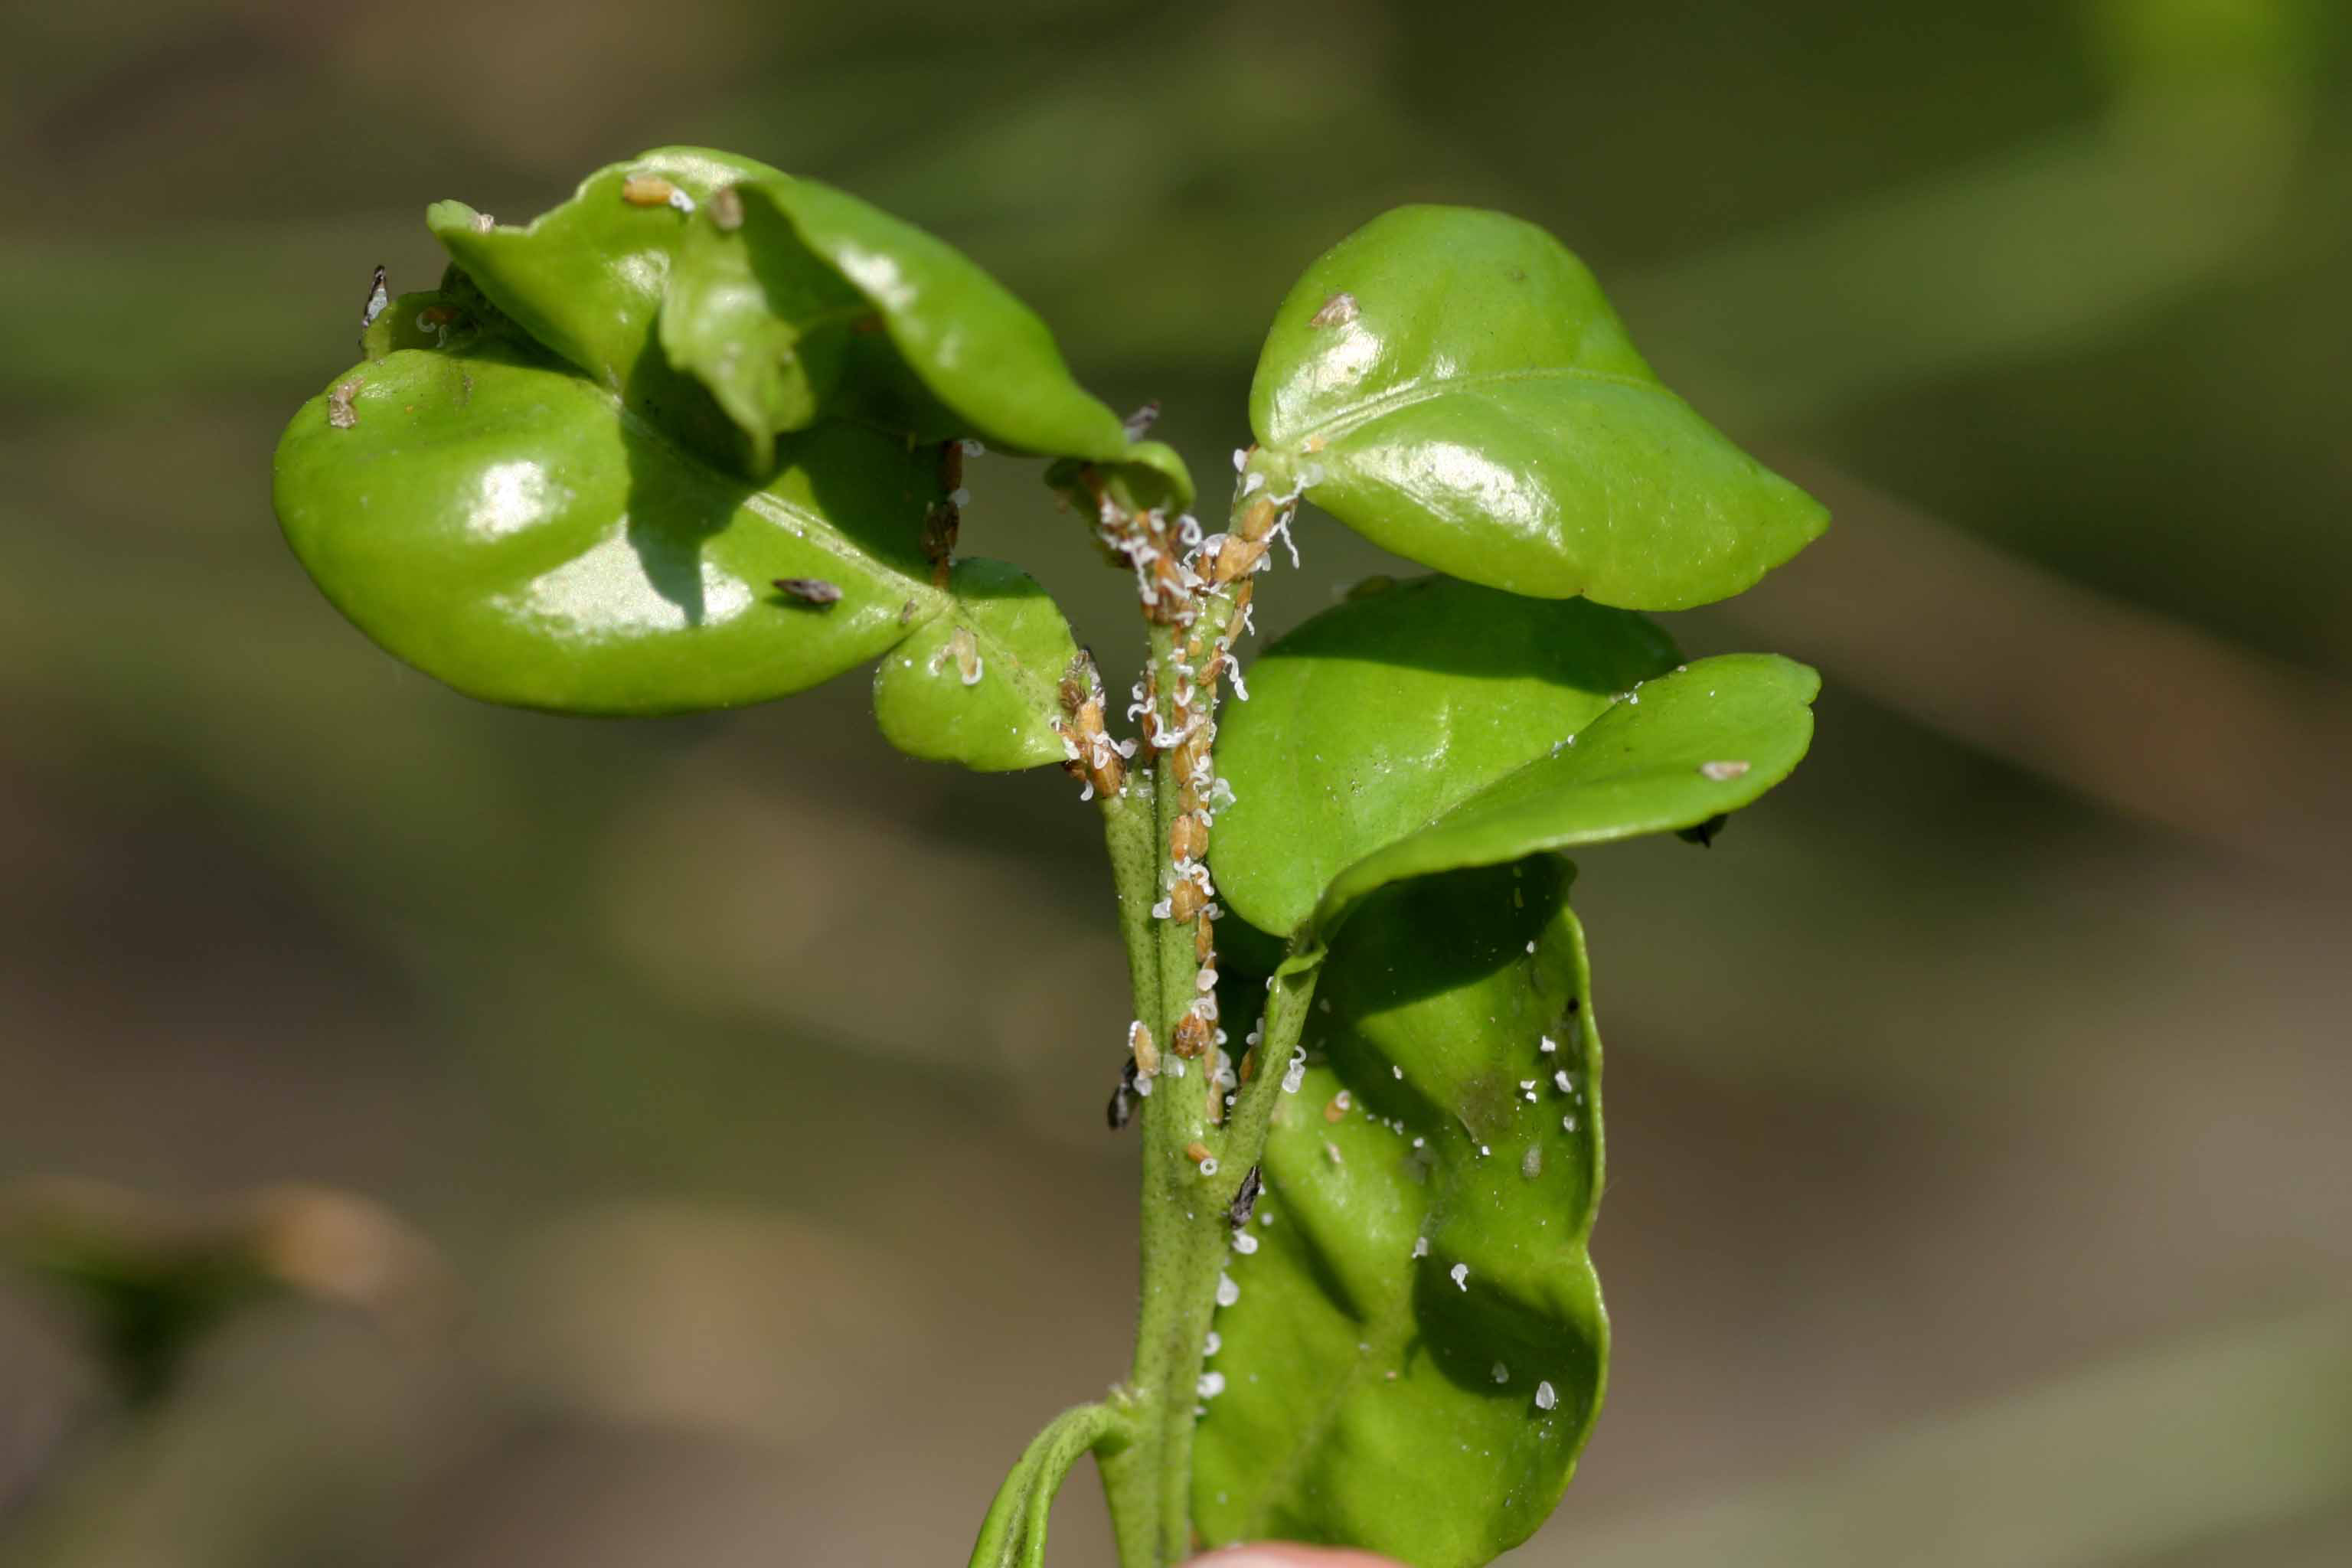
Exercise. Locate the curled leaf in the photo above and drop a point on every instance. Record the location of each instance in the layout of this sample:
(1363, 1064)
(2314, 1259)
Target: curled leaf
(1380, 715)
(1451, 383)
(762, 321)
(792, 299)
(587, 277)
(1680, 751)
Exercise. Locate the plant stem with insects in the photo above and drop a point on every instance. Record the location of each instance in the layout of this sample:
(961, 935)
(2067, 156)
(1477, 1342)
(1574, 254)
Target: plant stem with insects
(1197, 1151)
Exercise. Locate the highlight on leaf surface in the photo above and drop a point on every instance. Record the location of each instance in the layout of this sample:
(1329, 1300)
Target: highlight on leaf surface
(506, 525)
(1417, 1349)
(1452, 385)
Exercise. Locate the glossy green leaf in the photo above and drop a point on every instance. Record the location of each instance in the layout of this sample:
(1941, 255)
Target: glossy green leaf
(980, 684)
(1688, 746)
(1379, 716)
(1451, 383)
(1417, 1349)
(976, 348)
(504, 524)
(587, 277)
(759, 319)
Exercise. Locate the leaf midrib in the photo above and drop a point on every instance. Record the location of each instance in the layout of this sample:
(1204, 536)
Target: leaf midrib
(1364, 412)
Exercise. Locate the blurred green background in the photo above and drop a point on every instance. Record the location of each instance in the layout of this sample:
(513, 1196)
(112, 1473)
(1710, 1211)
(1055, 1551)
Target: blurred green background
(1979, 1188)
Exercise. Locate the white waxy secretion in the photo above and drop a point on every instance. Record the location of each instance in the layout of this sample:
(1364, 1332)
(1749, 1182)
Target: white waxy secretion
(1460, 1275)
(1546, 1396)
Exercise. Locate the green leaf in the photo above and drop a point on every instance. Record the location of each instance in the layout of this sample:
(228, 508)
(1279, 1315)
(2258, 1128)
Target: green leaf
(980, 351)
(1684, 748)
(506, 525)
(1451, 383)
(1380, 715)
(1375, 1398)
(980, 684)
(761, 321)
(587, 278)
(1151, 477)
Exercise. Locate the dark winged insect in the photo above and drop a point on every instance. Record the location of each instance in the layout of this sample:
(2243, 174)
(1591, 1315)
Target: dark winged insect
(1122, 1099)
(1244, 1202)
(1703, 834)
(810, 590)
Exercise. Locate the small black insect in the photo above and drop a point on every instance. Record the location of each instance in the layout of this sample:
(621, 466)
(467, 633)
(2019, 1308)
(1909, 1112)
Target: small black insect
(1704, 834)
(1122, 1099)
(810, 590)
(1245, 1201)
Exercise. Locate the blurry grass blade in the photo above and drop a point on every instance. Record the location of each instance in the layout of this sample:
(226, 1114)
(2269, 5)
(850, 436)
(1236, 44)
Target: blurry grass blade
(2092, 1467)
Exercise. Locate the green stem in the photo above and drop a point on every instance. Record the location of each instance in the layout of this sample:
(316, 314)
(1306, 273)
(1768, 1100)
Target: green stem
(1285, 1021)
(1014, 1533)
(1185, 1223)
(1132, 833)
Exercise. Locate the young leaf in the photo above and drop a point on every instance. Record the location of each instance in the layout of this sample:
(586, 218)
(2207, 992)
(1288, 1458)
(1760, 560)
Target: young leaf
(1418, 1346)
(979, 684)
(1684, 748)
(587, 277)
(1381, 714)
(505, 525)
(1452, 385)
(1151, 477)
(759, 319)
(982, 364)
